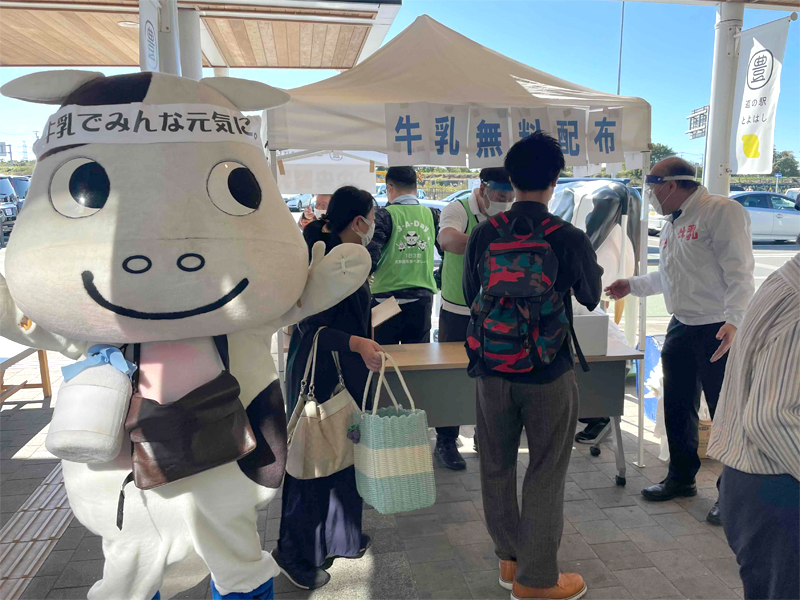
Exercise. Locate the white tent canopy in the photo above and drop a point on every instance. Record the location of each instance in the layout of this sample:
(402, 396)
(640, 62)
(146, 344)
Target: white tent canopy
(429, 62)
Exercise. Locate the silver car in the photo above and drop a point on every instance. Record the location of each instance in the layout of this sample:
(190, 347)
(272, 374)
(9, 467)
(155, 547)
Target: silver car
(772, 216)
(299, 202)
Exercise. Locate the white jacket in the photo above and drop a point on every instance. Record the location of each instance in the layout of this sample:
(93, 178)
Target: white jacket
(706, 266)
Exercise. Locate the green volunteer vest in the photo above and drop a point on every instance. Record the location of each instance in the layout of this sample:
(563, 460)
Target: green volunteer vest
(453, 265)
(407, 258)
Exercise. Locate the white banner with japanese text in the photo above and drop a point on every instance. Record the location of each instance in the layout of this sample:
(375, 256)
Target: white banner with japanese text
(139, 123)
(524, 121)
(489, 137)
(448, 124)
(758, 84)
(569, 127)
(604, 136)
(408, 134)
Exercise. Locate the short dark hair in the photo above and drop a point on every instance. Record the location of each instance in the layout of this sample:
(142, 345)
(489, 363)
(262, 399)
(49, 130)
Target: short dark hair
(403, 178)
(346, 204)
(535, 162)
(682, 167)
(497, 174)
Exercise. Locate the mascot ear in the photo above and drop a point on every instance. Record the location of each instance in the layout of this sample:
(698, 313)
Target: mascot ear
(48, 87)
(247, 95)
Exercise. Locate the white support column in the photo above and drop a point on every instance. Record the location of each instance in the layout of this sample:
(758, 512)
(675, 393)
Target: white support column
(168, 43)
(273, 165)
(189, 36)
(221, 72)
(716, 175)
(642, 311)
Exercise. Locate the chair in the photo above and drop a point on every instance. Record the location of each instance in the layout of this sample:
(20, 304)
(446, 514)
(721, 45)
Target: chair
(7, 391)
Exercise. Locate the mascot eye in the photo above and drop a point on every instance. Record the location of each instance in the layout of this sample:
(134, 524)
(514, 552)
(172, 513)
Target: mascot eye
(79, 188)
(233, 189)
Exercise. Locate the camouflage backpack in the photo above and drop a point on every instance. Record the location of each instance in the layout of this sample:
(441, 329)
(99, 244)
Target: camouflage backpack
(518, 321)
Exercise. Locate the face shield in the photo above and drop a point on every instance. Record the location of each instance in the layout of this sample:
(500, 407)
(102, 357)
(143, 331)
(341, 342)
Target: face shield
(652, 183)
(498, 195)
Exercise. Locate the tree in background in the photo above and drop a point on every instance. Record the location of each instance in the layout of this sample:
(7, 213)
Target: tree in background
(17, 167)
(659, 152)
(785, 163)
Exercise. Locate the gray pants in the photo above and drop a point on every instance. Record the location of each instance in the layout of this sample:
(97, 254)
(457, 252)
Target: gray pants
(549, 413)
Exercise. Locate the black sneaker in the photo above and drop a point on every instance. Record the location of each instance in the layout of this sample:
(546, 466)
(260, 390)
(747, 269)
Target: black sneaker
(447, 454)
(589, 435)
(305, 578)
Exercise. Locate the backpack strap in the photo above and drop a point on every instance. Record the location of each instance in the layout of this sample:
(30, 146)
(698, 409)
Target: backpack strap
(578, 351)
(501, 223)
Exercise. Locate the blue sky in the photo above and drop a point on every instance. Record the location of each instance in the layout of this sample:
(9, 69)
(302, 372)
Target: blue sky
(667, 56)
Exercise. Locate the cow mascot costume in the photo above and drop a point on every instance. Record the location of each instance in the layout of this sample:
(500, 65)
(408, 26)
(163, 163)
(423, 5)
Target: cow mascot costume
(155, 245)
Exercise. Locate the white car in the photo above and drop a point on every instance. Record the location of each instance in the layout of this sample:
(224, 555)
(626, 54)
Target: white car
(772, 216)
(792, 193)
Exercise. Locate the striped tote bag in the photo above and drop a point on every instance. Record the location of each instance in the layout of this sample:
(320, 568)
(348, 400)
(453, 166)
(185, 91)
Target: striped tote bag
(394, 467)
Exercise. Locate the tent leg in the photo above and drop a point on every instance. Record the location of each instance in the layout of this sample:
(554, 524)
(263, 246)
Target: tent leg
(273, 165)
(642, 312)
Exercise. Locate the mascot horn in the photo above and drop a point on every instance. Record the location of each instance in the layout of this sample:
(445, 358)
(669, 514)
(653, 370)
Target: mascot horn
(155, 243)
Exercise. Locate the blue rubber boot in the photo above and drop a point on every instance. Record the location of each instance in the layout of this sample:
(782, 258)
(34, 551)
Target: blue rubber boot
(263, 592)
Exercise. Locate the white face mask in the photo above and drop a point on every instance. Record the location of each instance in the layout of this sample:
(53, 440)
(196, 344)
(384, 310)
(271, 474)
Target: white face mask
(495, 208)
(319, 212)
(648, 193)
(366, 238)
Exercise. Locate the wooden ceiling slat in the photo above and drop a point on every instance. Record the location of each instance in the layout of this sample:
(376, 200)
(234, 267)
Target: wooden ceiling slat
(219, 39)
(107, 25)
(229, 38)
(60, 45)
(268, 43)
(14, 39)
(254, 35)
(293, 41)
(318, 44)
(306, 41)
(356, 42)
(243, 41)
(112, 43)
(331, 37)
(281, 43)
(342, 45)
(16, 50)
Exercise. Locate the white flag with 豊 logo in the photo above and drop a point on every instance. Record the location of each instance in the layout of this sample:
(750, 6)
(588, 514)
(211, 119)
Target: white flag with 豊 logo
(758, 84)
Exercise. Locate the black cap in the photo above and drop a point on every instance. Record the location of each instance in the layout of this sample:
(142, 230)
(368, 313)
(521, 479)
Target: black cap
(497, 174)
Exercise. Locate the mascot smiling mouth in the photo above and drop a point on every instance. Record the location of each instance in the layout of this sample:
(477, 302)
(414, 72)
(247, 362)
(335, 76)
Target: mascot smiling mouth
(94, 294)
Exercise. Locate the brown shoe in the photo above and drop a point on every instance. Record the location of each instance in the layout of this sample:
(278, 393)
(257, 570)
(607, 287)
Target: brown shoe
(570, 586)
(508, 572)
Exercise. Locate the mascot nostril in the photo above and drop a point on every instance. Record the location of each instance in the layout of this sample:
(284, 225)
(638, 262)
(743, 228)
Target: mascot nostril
(179, 397)
(191, 262)
(137, 264)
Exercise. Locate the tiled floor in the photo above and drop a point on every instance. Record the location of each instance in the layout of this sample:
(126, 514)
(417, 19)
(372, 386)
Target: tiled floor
(623, 546)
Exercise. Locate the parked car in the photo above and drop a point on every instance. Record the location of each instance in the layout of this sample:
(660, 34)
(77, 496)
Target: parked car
(459, 195)
(8, 203)
(772, 216)
(298, 202)
(793, 193)
(21, 184)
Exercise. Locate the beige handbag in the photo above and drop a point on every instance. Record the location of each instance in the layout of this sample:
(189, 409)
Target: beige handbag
(318, 443)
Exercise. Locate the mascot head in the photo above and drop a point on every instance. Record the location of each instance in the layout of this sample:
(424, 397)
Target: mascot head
(152, 214)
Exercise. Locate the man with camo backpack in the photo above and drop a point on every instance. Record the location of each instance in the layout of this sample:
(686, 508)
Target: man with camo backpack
(520, 269)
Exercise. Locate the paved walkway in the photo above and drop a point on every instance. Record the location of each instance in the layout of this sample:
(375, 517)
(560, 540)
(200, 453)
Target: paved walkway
(623, 546)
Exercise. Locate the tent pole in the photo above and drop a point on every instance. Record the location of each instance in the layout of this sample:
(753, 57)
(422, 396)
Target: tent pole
(716, 175)
(642, 311)
(273, 167)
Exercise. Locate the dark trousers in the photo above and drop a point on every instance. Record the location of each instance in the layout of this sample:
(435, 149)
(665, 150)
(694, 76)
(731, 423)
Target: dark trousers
(452, 328)
(411, 326)
(761, 517)
(548, 412)
(687, 366)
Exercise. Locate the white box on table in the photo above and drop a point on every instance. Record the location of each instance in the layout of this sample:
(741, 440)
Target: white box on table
(592, 333)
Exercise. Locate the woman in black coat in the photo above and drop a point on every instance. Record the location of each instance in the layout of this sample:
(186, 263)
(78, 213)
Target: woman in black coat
(321, 518)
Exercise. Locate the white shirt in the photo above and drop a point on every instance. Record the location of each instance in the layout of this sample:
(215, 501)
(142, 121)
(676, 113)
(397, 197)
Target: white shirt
(757, 423)
(706, 265)
(453, 215)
